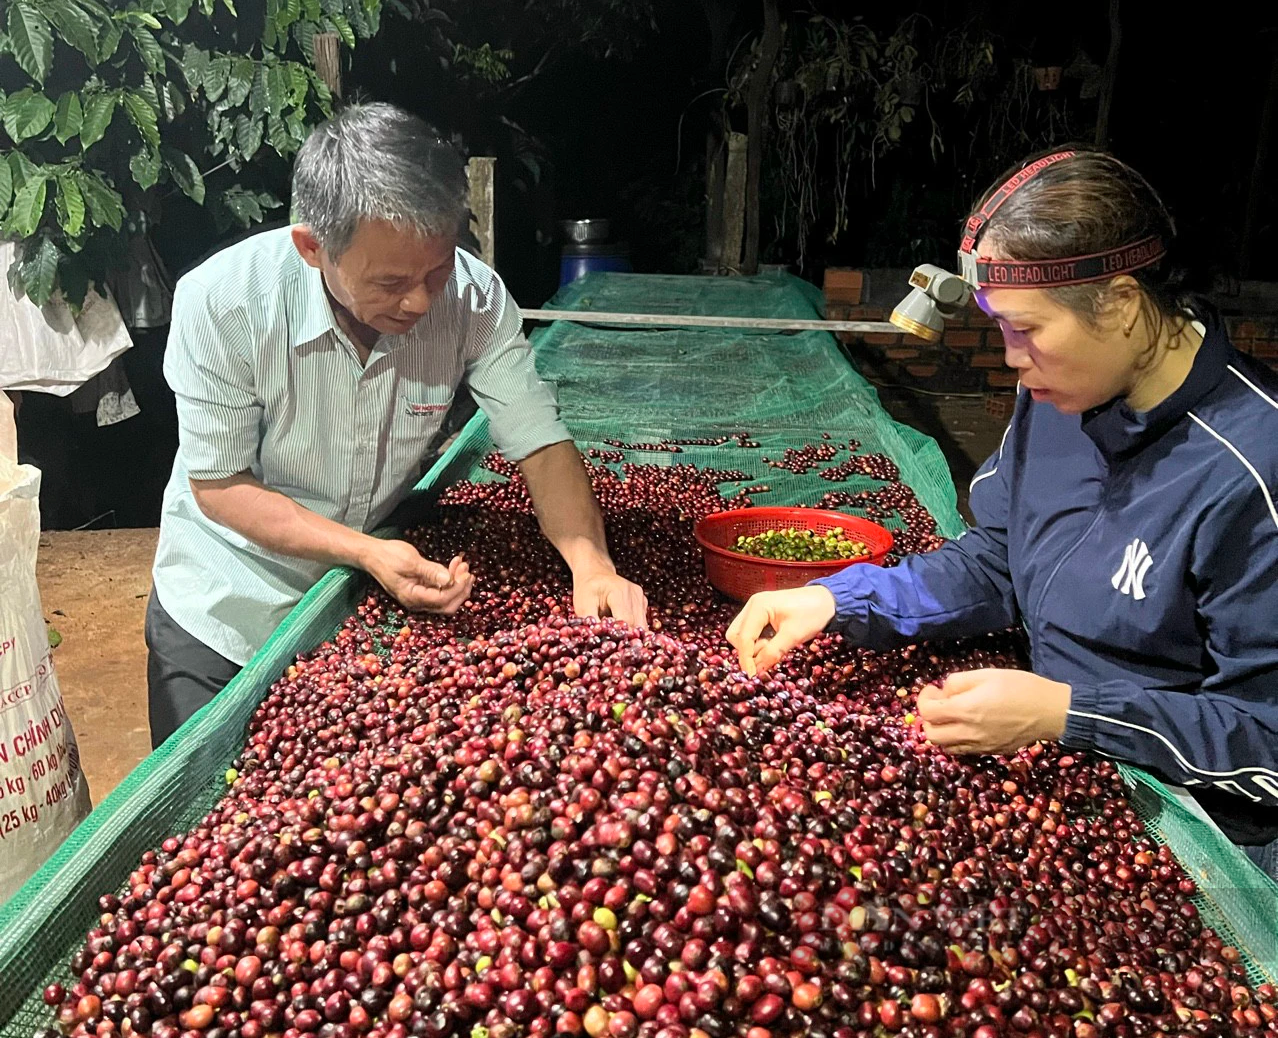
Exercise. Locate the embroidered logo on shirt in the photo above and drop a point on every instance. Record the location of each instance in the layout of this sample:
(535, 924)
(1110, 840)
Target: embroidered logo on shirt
(1130, 578)
(423, 409)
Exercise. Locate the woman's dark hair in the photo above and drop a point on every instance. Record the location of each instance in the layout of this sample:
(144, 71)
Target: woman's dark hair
(1088, 204)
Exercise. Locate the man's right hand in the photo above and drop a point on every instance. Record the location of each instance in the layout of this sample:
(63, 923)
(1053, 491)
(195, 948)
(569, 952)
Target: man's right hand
(795, 617)
(417, 583)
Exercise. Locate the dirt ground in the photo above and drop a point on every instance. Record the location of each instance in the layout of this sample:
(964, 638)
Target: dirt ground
(94, 587)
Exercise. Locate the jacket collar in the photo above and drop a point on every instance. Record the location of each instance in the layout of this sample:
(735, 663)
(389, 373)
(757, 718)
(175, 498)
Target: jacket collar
(1119, 431)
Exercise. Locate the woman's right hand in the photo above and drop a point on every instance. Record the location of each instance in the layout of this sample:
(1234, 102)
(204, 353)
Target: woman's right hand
(794, 616)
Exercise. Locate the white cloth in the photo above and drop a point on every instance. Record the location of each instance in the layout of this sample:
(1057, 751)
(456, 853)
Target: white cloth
(50, 349)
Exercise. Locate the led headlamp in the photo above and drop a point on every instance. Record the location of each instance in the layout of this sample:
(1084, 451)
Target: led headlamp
(937, 294)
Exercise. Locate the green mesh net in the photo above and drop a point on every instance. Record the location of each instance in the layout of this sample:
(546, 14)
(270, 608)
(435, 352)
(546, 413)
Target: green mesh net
(634, 387)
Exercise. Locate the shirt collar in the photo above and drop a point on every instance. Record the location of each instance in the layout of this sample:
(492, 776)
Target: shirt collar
(1119, 431)
(316, 318)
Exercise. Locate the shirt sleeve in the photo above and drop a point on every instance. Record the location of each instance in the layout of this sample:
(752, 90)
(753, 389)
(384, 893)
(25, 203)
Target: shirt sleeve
(206, 364)
(963, 589)
(1225, 733)
(522, 410)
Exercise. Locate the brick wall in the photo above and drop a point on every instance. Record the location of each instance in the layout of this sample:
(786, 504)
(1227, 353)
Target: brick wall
(969, 357)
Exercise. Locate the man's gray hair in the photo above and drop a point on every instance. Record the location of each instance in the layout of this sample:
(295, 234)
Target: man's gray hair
(377, 162)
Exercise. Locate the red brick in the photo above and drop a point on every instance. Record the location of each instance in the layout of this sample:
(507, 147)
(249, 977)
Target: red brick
(901, 353)
(977, 319)
(960, 337)
(1002, 379)
(1000, 405)
(994, 339)
(1264, 348)
(922, 370)
(839, 312)
(843, 285)
(880, 339)
(914, 340)
(1246, 330)
(986, 360)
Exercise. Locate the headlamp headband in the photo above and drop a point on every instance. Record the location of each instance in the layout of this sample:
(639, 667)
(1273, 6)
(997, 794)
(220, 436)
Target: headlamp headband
(1079, 270)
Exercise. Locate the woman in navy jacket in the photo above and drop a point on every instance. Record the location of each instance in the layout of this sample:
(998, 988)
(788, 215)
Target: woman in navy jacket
(1128, 520)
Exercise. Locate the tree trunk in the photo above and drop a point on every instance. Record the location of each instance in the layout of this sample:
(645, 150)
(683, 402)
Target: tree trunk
(735, 182)
(1110, 75)
(756, 102)
(1257, 192)
(719, 16)
(716, 169)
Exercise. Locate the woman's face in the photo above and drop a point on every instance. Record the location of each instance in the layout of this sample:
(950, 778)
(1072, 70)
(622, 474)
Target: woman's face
(1060, 358)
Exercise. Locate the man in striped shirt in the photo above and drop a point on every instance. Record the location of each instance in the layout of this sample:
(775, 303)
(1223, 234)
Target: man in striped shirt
(312, 366)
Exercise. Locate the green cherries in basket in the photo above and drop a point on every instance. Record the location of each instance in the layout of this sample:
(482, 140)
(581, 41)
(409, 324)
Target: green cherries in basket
(795, 545)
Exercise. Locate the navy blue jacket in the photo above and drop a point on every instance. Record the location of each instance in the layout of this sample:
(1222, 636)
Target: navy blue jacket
(1140, 552)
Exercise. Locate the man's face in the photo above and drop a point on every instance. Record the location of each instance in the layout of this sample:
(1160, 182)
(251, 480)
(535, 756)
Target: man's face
(388, 277)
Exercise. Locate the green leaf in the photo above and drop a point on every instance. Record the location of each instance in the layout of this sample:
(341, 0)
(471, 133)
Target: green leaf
(248, 135)
(97, 117)
(69, 116)
(30, 39)
(70, 203)
(299, 84)
(22, 168)
(55, 639)
(243, 207)
(109, 40)
(174, 100)
(288, 11)
(177, 10)
(106, 209)
(240, 81)
(195, 63)
(277, 135)
(27, 114)
(74, 25)
(186, 174)
(338, 24)
(40, 270)
(270, 28)
(312, 10)
(148, 48)
(230, 6)
(257, 92)
(276, 90)
(28, 206)
(304, 32)
(143, 116)
(136, 16)
(6, 187)
(145, 166)
(216, 76)
(322, 93)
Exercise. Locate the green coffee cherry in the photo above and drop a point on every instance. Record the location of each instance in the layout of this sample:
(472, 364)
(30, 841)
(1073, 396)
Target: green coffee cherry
(794, 545)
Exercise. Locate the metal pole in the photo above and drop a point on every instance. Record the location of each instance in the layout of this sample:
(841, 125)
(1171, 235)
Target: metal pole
(773, 324)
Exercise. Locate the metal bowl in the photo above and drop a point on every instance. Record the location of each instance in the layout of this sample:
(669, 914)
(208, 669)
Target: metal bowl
(583, 231)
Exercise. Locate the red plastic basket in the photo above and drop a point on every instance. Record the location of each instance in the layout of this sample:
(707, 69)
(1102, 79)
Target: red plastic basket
(740, 576)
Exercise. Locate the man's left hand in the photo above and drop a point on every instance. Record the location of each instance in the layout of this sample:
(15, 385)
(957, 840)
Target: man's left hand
(604, 593)
(993, 711)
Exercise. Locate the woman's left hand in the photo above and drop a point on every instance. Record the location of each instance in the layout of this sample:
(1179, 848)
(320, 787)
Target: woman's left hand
(993, 711)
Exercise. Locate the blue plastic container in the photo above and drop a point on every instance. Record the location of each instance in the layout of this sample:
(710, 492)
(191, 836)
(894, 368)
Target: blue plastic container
(580, 259)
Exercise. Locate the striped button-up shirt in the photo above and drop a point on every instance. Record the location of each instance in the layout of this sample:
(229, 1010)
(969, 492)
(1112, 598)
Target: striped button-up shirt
(267, 383)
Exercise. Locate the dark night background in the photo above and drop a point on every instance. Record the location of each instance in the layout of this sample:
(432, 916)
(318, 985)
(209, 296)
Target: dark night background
(617, 128)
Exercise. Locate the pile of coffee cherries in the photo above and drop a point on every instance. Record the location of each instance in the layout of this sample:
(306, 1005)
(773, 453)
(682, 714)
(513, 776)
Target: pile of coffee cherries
(512, 822)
